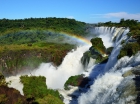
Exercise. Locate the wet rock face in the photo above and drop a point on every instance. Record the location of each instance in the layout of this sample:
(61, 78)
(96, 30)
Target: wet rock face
(78, 80)
(109, 50)
(11, 96)
(96, 51)
(136, 85)
(136, 71)
(98, 45)
(83, 81)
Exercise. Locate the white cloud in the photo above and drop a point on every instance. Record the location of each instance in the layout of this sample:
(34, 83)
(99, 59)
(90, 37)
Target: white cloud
(70, 17)
(118, 15)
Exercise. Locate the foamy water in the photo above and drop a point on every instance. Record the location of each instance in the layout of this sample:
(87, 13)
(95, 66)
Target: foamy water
(106, 77)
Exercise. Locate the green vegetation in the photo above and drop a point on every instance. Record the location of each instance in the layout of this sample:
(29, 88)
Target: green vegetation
(56, 24)
(86, 58)
(3, 98)
(35, 87)
(133, 25)
(2, 81)
(98, 45)
(77, 80)
(109, 50)
(129, 49)
(9, 95)
(32, 36)
(73, 80)
(49, 99)
(101, 59)
(96, 51)
(34, 30)
(25, 43)
(14, 58)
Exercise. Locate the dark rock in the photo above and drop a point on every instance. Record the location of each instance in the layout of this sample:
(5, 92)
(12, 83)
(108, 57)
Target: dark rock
(96, 51)
(11, 96)
(78, 80)
(109, 50)
(83, 81)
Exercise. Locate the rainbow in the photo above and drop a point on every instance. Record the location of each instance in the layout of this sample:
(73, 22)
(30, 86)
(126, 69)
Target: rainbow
(73, 36)
(82, 39)
(78, 38)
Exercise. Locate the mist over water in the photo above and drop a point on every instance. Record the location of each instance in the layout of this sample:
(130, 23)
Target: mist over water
(106, 78)
(110, 87)
(104, 88)
(15, 83)
(57, 76)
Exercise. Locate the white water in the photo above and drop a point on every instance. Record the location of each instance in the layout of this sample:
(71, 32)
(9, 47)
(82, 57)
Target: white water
(117, 47)
(100, 89)
(55, 76)
(106, 34)
(106, 77)
(15, 83)
(104, 88)
(102, 84)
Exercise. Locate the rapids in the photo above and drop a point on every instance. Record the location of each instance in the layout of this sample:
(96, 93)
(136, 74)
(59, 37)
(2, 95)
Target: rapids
(107, 84)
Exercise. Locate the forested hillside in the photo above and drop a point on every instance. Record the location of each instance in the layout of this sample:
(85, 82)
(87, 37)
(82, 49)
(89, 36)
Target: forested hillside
(56, 24)
(33, 30)
(25, 43)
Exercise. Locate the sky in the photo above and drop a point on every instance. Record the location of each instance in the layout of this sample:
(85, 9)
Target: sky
(89, 11)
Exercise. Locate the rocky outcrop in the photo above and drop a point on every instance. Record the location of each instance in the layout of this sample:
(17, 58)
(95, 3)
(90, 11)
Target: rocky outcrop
(98, 45)
(136, 82)
(15, 60)
(2, 80)
(78, 80)
(11, 96)
(96, 51)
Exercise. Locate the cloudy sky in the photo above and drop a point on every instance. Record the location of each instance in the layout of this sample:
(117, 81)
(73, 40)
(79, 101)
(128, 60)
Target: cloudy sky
(90, 11)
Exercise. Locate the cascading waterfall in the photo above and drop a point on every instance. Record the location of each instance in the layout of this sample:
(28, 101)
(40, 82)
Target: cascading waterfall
(112, 87)
(55, 76)
(103, 80)
(117, 47)
(107, 86)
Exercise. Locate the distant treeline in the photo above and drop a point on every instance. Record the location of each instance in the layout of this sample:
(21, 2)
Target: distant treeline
(30, 36)
(56, 24)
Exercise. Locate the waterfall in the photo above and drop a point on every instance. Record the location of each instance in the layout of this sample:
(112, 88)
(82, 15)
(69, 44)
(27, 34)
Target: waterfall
(111, 87)
(107, 86)
(117, 47)
(112, 37)
(103, 77)
(55, 76)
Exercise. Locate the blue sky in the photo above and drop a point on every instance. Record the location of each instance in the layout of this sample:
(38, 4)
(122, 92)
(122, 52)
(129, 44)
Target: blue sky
(90, 11)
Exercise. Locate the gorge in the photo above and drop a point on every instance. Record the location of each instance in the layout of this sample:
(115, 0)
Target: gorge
(112, 82)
